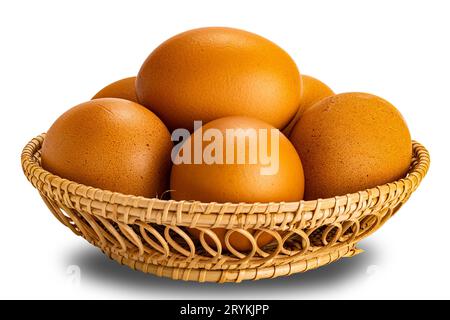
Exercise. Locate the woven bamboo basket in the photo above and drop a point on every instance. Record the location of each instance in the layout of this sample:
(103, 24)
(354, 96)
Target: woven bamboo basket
(150, 234)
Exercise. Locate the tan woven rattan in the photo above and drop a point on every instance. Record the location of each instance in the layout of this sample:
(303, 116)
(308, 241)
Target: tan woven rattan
(149, 234)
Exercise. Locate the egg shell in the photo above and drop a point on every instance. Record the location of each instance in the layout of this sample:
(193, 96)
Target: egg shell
(124, 89)
(112, 144)
(239, 182)
(350, 142)
(209, 73)
(313, 90)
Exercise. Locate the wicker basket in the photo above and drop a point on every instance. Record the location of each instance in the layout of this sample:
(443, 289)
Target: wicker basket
(149, 234)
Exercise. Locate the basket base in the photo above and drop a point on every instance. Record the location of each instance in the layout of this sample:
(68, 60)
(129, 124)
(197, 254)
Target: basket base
(233, 275)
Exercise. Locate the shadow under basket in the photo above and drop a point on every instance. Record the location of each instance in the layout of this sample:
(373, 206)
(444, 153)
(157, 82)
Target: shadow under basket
(150, 234)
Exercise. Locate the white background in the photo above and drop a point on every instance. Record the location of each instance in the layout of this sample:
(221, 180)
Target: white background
(56, 54)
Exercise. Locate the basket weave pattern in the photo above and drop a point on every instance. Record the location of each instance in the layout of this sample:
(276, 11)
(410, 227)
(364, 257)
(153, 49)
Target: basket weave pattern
(150, 234)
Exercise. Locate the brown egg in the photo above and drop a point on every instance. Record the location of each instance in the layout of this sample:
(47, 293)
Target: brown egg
(350, 142)
(226, 179)
(209, 73)
(124, 89)
(313, 90)
(112, 144)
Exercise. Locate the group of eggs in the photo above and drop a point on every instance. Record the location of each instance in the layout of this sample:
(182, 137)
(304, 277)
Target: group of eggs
(329, 144)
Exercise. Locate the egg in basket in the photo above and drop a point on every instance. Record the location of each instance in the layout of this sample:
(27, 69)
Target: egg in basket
(220, 162)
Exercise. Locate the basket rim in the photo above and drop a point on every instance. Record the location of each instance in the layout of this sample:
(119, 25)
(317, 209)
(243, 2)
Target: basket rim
(131, 206)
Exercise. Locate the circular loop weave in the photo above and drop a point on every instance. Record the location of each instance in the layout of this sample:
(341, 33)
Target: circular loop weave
(151, 234)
